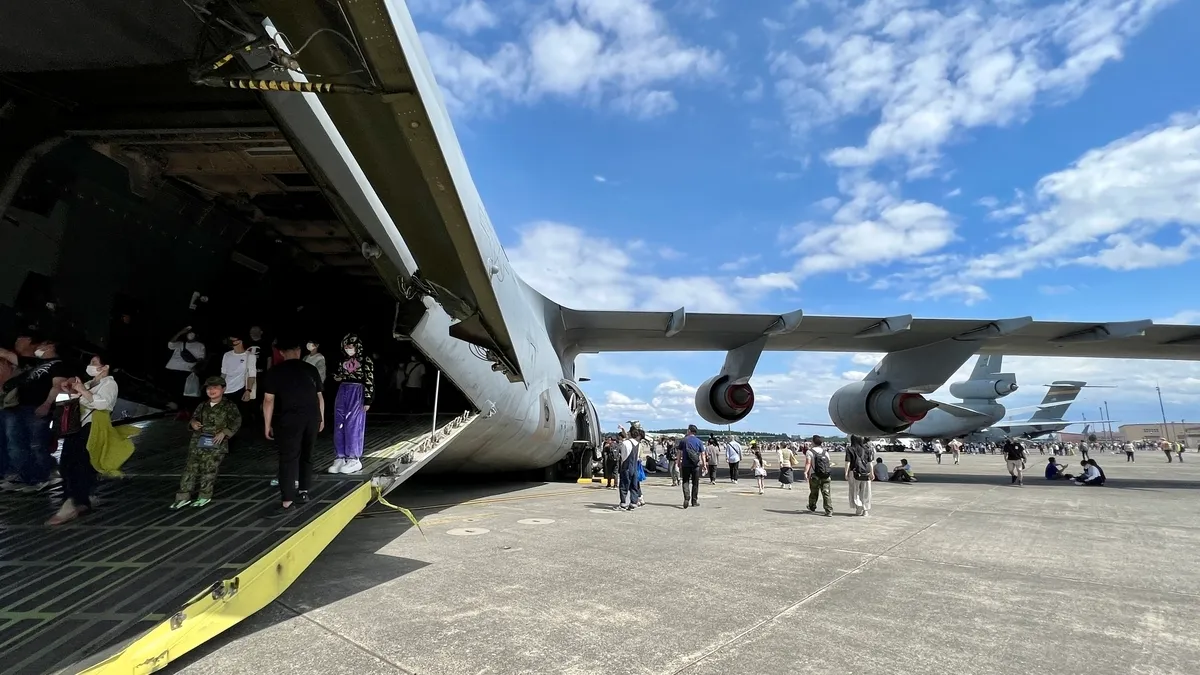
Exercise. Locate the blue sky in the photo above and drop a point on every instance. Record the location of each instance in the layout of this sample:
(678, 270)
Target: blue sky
(981, 159)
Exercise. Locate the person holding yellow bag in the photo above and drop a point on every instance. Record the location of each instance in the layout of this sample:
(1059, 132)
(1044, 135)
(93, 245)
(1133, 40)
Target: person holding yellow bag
(92, 446)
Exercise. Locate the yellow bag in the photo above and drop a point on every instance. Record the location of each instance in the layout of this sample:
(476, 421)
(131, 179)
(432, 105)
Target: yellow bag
(109, 446)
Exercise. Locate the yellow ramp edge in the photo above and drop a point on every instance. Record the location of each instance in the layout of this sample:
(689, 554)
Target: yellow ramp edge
(216, 610)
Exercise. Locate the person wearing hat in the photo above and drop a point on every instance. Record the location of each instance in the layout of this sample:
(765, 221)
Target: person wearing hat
(215, 421)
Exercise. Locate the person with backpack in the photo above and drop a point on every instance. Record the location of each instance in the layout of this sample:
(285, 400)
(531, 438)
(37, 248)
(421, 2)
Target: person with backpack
(1014, 458)
(186, 353)
(691, 458)
(859, 474)
(672, 452)
(816, 472)
(628, 486)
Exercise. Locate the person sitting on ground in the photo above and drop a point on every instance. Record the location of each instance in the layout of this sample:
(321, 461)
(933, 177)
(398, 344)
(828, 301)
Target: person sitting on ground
(881, 470)
(1056, 471)
(903, 473)
(213, 424)
(1092, 474)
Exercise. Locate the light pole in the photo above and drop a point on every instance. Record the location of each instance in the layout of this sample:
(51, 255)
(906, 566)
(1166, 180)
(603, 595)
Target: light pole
(1109, 418)
(1161, 409)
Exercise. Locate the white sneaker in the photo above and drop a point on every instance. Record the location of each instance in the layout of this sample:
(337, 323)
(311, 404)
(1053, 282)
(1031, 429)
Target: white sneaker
(337, 465)
(352, 466)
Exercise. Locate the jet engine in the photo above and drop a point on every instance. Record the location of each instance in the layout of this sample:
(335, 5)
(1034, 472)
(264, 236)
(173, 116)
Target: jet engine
(720, 402)
(874, 409)
(1003, 385)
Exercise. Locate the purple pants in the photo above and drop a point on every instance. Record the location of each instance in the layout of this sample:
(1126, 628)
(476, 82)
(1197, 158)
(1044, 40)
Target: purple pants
(349, 421)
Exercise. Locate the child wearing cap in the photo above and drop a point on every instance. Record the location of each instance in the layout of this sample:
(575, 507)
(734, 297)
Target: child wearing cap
(215, 421)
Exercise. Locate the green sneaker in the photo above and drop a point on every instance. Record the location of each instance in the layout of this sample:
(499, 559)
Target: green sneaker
(180, 504)
(200, 502)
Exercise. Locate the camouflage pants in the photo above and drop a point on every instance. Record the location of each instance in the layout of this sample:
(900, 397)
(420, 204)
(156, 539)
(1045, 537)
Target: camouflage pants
(820, 485)
(202, 467)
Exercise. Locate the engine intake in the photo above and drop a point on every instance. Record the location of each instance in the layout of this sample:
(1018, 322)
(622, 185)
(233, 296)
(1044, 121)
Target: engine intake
(875, 409)
(1003, 385)
(720, 402)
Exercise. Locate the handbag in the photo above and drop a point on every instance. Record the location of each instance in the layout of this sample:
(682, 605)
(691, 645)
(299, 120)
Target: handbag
(67, 421)
(641, 472)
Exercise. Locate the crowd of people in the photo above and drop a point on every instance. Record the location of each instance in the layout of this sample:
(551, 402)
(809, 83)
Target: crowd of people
(627, 458)
(58, 417)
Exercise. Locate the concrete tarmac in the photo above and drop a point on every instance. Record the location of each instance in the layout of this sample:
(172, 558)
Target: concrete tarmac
(957, 573)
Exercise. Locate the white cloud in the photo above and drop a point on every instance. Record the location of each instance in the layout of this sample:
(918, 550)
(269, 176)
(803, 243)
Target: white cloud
(953, 193)
(578, 270)
(873, 227)
(1182, 317)
(616, 52)
(599, 179)
(668, 253)
(1132, 204)
(930, 74)
(866, 358)
(735, 265)
(471, 17)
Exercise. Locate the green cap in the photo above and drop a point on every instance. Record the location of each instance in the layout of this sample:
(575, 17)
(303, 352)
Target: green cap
(215, 381)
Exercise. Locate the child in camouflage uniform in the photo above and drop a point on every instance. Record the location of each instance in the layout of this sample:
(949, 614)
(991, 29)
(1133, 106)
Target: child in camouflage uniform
(213, 424)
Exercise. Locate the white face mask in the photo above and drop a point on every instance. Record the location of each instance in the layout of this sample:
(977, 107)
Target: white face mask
(191, 336)
(40, 353)
(93, 371)
(311, 347)
(351, 351)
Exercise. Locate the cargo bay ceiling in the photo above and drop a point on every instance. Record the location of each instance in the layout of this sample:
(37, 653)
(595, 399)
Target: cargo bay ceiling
(122, 83)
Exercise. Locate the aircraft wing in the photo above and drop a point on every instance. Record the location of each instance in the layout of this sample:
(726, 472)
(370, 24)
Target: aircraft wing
(1046, 423)
(627, 331)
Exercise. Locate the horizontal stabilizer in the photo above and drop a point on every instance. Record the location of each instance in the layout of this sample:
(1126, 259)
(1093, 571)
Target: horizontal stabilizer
(959, 411)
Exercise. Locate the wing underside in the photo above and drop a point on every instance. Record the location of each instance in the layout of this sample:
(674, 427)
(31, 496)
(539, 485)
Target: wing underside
(618, 331)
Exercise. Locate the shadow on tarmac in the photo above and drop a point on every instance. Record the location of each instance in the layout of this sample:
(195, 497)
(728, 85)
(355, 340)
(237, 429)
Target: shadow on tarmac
(352, 564)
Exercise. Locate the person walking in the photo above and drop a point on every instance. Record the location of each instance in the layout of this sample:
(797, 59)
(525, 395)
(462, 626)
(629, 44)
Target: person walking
(628, 486)
(711, 451)
(1129, 450)
(859, 474)
(1014, 458)
(98, 394)
(955, 446)
(787, 460)
(733, 456)
(293, 415)
(691, 459)
(28, 399)
(816, 472)
(759, 469)
(672, 453)
(356, 390)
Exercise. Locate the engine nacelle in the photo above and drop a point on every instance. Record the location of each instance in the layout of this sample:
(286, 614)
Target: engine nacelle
(875, 409)
(1003, 385)
(720, 402)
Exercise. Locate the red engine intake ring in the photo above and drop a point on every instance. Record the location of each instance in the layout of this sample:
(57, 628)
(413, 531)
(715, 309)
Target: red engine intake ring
(903, 409)
(739, 397)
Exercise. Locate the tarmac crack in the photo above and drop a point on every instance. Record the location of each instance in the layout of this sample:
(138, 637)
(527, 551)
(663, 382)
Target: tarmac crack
(871, 557)
(361, 647)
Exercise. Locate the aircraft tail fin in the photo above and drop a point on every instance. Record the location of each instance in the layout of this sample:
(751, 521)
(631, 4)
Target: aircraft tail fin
(1061, 395)
(987, 366)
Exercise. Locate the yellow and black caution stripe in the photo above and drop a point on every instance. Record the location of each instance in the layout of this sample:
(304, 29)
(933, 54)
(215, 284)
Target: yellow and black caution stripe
(284, 85)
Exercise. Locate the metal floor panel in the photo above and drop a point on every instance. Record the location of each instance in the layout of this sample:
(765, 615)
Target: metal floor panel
(71, 591)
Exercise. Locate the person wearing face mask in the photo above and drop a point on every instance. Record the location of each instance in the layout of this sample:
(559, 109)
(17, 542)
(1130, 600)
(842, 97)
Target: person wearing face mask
(95, 442)
(356, 389)
(315, 358)
(186, 354)
(239, 369)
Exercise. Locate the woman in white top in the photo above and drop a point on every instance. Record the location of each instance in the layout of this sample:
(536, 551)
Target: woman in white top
(186, 352)
(75, 465)
(315, 358)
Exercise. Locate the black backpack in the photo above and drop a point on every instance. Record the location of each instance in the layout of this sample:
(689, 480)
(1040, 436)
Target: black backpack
(693, 454)
(820, 464)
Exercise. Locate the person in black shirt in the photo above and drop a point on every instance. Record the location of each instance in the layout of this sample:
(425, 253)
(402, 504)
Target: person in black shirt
(28, 399)
(293, 415)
